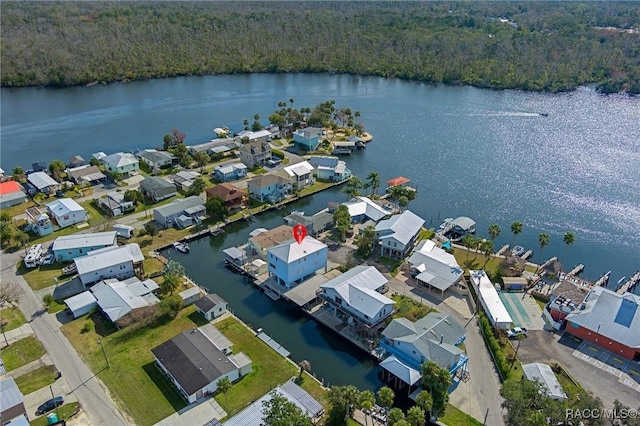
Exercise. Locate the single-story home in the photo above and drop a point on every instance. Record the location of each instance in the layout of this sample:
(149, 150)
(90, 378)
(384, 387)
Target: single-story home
(190, 295)
(121, 162)
(114, 204)
(11, 194)
(211, 306)
(545, 375)
(118, 299)
(66, 212)
(219, 147)
(435, 267)
(43, 182)
(362, 209)
(87, 173)
(230, 172)
(329, 168)
(233, 197)
(195, 365)
(12, 403)
(315, 224)
(157, 159)
(68, 247)
(76, 161)
(81, 304)
(157, 189)
(119, 262)
(190, 207)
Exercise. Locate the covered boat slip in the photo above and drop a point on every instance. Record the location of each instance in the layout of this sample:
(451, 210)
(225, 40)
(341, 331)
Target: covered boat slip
(306, 294)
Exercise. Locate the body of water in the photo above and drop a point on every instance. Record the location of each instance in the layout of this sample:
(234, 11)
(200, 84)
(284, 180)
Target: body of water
(486, 154)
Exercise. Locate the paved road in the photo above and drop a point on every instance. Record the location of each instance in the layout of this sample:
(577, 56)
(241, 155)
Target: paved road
(88, 390)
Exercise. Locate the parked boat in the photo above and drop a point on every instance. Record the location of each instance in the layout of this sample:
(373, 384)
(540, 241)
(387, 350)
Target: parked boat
(69, 269)
(181, 247)
(445, 224)
(517, 251)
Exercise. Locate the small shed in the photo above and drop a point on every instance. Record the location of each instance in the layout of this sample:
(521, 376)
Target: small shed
(190, 295)
(514, 283)
(81, 304)
(211, 306)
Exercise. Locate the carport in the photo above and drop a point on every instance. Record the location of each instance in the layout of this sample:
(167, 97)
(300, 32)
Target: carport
(81, 304)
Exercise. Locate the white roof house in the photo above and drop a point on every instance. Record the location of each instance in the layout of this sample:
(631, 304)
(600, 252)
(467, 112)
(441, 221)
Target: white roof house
(545, 375)
(70, 242)
(491, 302)
(292, 251)
(66, 212)
(356, 291)
(298, 169)
(401, 370)
(108, 257)
(41, 180)
(81, 304)
(398, 233)
(116, 298)
(119, 160)
(363, 208)
(290, 262)
(434, 266)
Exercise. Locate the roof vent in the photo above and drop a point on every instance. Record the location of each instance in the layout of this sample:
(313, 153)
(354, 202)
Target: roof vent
(441, 339)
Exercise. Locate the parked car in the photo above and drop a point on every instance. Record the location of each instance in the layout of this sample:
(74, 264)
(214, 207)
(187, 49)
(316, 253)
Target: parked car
(517, 331)
(50, 405)
(48, 259)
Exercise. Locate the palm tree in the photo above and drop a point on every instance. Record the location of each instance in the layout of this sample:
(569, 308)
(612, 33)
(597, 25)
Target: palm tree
(415, 416)
(494, 231)
(516, 229)
(374, 182)
(386, 397)
(304, 366)
(544, 239)
(424, 401)
(170, 283)
(568, 238)
(224, 385)
(21, 237)
(394, 416)
(487, 249)
(366, 401)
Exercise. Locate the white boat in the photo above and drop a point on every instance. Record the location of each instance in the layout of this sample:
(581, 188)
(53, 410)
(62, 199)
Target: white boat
(181, 247)
(517, 251)
(445, 224)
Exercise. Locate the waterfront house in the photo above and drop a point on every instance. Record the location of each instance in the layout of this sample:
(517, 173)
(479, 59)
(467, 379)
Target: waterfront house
(119, 262)
(460, 227)
(12, 410)
(230, 172)
(362, 209)
(114, 204)
(315, 224)
(263, 135)
(190, 207)
(342, 147)
(234, 198)
(118, 300)
(257, 152)
(121, 162)
(190, 295)
(235, 258)
(356, 296)
(184, 179)
(290, 263)
(329, 168)
(253, 415)
(211, 306)
(435, 268)
(300, 175)
(397, 235)
(308, 138)
(39, 222)
(565, 298)
(545, 375)
(86, 174)
(215, 147)
(435, 338)
(43, 182)
(98, 155)
(157, 189)
(157, 159)
(194, 365)
(609, 320)
(66, 212)
(269, 188)
(75, 161)
(68, 247)
(11, 194)
(490, 300)
(262, 240)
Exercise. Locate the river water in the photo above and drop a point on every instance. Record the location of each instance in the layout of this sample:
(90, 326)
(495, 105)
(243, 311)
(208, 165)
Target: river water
(485, 154)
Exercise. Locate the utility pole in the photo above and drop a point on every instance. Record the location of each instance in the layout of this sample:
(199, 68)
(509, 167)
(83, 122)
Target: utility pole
(54, 402)
(103, 352)
(485, 417)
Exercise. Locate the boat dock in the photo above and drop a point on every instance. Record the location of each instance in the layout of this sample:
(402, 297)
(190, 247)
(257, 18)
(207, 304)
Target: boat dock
(548, 262)
(272, 343)
(630, 284)
(502, 250)
(527, 254)
(575, 271)
(603, 280)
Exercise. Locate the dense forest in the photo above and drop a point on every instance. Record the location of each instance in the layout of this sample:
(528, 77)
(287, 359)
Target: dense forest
(548, 46)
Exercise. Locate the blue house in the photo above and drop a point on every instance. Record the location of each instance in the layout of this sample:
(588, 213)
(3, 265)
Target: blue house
(230, 172)
(269, 188)
(329, 168)
(68, 247)
(290, 263)
(307, 138)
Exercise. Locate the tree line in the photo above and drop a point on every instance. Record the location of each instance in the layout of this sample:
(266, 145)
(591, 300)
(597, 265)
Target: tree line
(542, 46)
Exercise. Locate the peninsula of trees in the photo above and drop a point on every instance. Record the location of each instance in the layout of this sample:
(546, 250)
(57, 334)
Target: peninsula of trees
(542, 46)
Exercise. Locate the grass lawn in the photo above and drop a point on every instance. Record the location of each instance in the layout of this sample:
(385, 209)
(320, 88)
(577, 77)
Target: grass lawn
(454, 417)
(425, 234)
(36, 239)
(56, 307)
(133, 379)
(43, 276)
(269, 369)
(409, 308)
(11, 318)
(37, 379)
(19, 209)
(465, 258)
(152, 265)
(316, 187)
(161, 239)
(21, 352)
(351, 422)
(64, 413)
(391, 264)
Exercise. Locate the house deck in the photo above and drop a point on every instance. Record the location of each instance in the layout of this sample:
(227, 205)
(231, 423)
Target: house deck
(326, 317)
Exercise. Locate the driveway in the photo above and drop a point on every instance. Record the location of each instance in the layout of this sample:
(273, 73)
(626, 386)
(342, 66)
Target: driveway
(550, 347)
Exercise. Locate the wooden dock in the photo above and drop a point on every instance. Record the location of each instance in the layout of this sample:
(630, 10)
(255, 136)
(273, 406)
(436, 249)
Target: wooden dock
(630, 284)
(547, 263)
(603, 280)
(527, 255)
(575, 271)
(502, 250)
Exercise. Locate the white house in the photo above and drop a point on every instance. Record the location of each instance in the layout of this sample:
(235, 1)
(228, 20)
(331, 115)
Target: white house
(43, 182)
(362, 209)
(157, 159)
(121, 162)
(356, 293)
(434, 267)
(490, 300)
(397, 234)
(119, 262)
(211, 306)
(300, 174)
(291, 262)
(117, 299)
(68, 247)
(195, 365)
(545, 375)
(66, 212)
(81, 304)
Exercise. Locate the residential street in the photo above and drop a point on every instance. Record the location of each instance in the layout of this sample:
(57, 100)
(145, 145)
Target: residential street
(88, 390)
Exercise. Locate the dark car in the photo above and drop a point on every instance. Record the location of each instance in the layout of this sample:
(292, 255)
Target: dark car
(50, 405)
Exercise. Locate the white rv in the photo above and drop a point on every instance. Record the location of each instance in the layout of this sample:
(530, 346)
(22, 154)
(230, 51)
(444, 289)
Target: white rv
(34, 254)
(124, 231)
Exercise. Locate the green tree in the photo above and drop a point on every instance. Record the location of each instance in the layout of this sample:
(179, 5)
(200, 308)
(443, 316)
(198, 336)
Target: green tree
(516, 229)
(279, 411)
(364, 241)
(402, 422)
(386, 397)
(173, 268)
(304, 366)
(133, 196)
(494, 231)
(245, 123)
(366, 401)
(216, 208)
(487, 248)
(403, 202)
(170, 306)
(544, 240)
(167, 142)
(374, 179)
(438, 381)
(151, 228)
(18, 174)
(170, 283)
(528, 404)
(197, 186)
(224, 385)
(202, 159)
(415, 416)
(568, 238)
(352, 187)
(343, 401)
(424, 401)
(342, 220)
(395, 415)
(56, 168)
(21, 237)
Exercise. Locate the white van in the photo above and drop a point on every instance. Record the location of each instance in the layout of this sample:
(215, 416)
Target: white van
(124, 231)
(34, 255)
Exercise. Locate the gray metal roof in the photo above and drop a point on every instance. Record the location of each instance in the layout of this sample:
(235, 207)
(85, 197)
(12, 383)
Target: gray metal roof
(109, 256)
(403, 227)
(155, 155)
(216, 337)
(41, 180)
(179, 206)
(116, 299)
(153, 183)
(463, 222)
(436, 267)
(544, 374)
(68, 242)
(209, 301)
(306, 291)
(10, 395)
(81, 300)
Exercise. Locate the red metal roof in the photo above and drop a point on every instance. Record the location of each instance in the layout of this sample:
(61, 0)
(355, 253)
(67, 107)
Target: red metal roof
(397, 181)
(9, 187)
